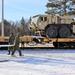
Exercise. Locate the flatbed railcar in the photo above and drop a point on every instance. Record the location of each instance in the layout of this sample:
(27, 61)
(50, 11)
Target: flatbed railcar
(41, 42)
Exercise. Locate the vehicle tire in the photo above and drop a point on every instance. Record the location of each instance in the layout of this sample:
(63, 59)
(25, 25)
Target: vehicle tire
(64, 32)
(52, 32)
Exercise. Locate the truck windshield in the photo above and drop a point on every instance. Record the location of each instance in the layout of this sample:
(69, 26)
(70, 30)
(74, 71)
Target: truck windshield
(34, 19)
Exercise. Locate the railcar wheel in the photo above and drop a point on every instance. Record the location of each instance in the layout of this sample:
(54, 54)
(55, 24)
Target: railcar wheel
(59, 45)
(64, 32)
(52, 32)
(70, 44)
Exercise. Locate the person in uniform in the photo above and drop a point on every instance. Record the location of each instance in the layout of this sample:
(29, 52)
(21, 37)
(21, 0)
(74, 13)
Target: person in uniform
(11, 42)
(16, 47)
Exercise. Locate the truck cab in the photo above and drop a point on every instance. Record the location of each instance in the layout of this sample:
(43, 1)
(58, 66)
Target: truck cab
(53, 26)
(38, 22)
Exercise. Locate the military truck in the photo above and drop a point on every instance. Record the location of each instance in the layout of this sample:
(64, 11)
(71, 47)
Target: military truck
(53, 26)
(59, 28)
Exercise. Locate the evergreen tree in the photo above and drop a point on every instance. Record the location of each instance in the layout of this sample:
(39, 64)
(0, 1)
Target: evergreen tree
(24, 29)
(61, 7)
(7, 28)
(23, 22)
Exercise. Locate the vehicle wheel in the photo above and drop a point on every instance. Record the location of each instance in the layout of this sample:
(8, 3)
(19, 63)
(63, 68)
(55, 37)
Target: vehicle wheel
(52, 32)
(64, 32)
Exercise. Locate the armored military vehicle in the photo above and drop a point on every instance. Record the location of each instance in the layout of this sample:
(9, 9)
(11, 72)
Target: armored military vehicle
(53, 26)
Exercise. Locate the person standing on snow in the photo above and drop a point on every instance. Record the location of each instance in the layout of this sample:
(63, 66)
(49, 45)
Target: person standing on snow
(16, 47)
(11, 42)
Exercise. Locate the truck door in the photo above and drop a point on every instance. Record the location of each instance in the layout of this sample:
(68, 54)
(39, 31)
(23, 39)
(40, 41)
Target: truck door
(42, 22)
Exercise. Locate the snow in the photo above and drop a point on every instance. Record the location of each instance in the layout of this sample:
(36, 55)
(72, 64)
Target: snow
(38, 62)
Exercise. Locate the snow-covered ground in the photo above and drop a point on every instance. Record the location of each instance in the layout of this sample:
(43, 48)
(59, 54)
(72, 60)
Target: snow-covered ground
(38, 62)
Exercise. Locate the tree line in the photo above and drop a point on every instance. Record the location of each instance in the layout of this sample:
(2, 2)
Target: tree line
(21, 27)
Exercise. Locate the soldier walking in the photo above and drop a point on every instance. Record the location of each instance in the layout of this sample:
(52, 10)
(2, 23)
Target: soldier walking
(10, 41)
(16, 47)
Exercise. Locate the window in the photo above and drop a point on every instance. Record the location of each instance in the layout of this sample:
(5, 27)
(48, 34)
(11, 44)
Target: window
(41, 18)
(45, 18)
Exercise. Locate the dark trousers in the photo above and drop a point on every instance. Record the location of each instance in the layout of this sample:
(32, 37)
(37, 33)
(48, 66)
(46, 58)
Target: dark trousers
(10, 49)
(16, 48)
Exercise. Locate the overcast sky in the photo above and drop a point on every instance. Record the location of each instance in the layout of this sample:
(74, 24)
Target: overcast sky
(16, 9)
